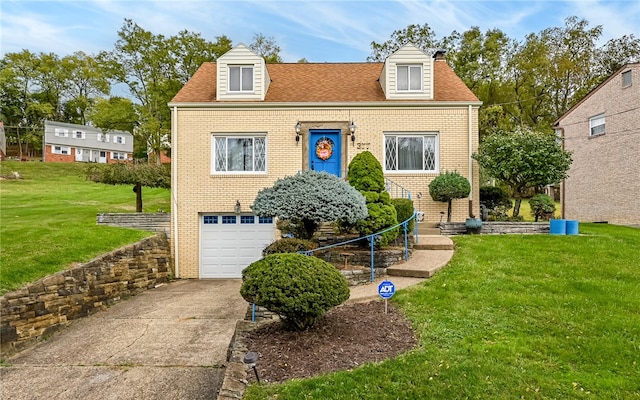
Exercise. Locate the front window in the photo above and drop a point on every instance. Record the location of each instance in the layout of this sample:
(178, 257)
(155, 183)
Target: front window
(415, 152)
(596, 125)
(78, 134)
(239, 154)
(102, 137)
(409, 78)
(118, 156)
(118, 139)
(61, 132)
(241, 79)
(61, 150)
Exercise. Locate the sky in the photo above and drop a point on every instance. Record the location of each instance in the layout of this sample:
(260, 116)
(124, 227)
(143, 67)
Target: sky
(320, 31)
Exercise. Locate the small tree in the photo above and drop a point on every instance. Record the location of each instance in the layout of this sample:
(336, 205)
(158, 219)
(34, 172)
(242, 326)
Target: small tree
(138, 175)
(448, 186)
(365, 174)
(310, 198)
(496, 200)
(542, 206)
(523, 159)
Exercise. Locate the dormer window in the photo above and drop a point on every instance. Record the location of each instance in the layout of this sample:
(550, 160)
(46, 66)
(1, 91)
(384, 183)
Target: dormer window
(241, 78)
(409, 78)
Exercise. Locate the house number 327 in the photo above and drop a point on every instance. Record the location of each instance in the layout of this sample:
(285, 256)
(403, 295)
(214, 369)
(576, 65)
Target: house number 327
(363, 146)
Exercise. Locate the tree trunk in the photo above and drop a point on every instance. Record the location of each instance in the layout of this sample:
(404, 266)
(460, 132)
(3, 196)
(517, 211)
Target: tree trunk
(516, 207)
(138, 190)
(449, 210)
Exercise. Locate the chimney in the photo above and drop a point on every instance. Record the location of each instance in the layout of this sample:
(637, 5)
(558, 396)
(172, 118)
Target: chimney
(439, 55)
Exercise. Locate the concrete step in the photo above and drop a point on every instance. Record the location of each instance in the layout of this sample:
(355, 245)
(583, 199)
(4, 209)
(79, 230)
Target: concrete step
(433, 242)
(422, 264)
(428, 231)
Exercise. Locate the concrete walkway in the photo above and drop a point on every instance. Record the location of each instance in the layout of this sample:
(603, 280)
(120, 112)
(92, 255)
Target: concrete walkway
(170, 342)
(167, 343)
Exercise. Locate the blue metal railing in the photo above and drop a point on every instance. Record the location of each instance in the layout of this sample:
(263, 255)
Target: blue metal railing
(372, 242)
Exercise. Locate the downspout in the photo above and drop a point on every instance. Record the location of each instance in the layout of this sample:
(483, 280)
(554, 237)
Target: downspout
(563, 183)
(174, 199)
(470, 109)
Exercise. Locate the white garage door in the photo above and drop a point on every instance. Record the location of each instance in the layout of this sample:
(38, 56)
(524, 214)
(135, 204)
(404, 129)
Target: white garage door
(231, 242)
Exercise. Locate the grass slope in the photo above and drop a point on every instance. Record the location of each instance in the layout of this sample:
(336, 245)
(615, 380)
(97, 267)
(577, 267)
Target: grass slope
(522, 316)
(48, 219)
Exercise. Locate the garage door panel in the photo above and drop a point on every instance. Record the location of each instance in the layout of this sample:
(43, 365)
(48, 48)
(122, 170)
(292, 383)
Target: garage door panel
(226, 249)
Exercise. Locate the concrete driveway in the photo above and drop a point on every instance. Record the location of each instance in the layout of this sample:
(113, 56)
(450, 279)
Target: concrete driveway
(167, 343)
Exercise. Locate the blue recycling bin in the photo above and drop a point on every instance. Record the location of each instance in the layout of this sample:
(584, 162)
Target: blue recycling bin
(558, 226)
(572, 227)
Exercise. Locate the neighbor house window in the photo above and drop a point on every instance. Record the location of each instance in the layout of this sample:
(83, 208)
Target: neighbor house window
(118, 139)
(78, 135)
(411, 152)
(61, 132)
(118, 156)
(239, 154)
(409, 78)
(102, 137)
(626, 79)
(61, 150)
(596, 125)
(241, 78)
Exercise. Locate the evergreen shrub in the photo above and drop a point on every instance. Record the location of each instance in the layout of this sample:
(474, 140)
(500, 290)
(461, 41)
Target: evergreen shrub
(299, 288)
(288, 245)
(404, 210)
(542, 207)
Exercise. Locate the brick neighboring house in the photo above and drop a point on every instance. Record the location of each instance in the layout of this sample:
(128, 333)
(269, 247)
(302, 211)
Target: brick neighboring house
(603, 132)
(65, 142)
(240, 124)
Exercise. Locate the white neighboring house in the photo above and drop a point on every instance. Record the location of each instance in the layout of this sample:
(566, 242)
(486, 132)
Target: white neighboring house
(65, 142)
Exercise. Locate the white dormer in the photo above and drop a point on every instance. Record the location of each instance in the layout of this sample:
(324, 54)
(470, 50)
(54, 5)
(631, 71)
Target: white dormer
(242, 75)
(408, 74)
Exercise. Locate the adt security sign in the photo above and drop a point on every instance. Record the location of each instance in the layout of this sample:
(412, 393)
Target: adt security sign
(386, 289)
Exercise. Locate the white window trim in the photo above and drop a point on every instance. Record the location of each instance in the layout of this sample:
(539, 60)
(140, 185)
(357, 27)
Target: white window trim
(241, 67)
(101, 137)
(115, 155)
(61, 132)
(436, 169)
(592, 124)
(116, 137)
(62, 150)
(82, 135)
(630, 74)
(214, 136)
(409, 68)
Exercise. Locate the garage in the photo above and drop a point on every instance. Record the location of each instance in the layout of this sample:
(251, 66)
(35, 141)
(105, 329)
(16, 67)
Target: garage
(229, 243)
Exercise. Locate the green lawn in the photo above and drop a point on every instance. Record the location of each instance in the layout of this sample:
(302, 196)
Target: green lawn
(48, 219)
(511, 317)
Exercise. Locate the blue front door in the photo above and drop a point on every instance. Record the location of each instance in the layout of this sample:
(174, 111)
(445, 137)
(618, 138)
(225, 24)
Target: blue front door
(324, 151)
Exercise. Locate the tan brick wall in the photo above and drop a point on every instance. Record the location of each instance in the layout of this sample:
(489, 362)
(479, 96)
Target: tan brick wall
(604, 179)
(196, 191)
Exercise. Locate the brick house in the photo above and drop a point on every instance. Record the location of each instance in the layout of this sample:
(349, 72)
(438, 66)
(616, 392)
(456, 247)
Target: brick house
(603, 132)
(240, 124)
(65, 142)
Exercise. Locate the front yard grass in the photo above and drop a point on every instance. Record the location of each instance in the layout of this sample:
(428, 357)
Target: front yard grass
(48, 219)
(511, 317)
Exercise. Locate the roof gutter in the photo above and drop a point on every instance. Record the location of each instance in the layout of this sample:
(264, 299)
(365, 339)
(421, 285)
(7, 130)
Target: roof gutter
(315, 105)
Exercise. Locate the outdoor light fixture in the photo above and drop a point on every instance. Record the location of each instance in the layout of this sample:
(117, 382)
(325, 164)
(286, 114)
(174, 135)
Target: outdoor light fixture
(237, 207)
(250, 359)
(352, 129)
(298, 128)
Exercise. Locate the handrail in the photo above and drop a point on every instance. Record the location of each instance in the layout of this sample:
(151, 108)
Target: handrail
(372, 239)
(391, 186)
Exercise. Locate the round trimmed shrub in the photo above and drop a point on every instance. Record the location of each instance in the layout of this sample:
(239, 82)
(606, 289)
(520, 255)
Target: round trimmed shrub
(288, 245)
(542, 206)
(299, 288)
(449, 186)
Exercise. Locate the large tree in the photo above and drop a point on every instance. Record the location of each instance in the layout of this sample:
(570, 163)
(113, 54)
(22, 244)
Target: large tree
(310, 198)
(523, 159)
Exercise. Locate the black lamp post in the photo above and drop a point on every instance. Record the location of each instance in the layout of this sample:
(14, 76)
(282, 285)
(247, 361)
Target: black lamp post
(251, 358)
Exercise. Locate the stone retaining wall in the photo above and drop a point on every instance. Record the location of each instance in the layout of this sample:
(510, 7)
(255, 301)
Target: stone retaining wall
(155, 222)
(40, 308)
(493, 228)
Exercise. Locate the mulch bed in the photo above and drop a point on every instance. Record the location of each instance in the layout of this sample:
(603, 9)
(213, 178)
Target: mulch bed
(344, 338)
